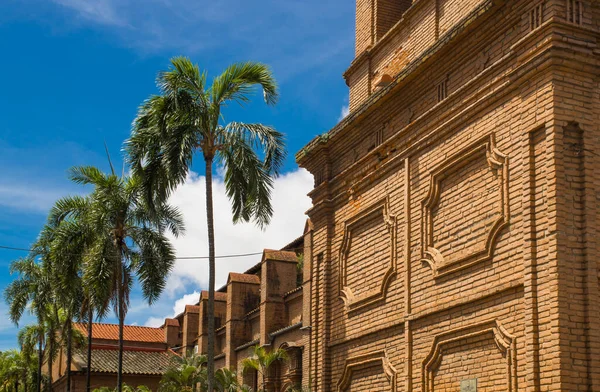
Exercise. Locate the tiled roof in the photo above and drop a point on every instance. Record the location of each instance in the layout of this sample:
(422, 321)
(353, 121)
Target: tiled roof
(286, 329)
(131, 333)
(280, 255)
(192, 309)
(243, 278)
(296, 245)
(134, 362)
(171, 322)
(218, 296)
(299, 288)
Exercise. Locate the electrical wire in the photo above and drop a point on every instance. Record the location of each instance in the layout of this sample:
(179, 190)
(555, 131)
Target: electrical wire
(176, 258)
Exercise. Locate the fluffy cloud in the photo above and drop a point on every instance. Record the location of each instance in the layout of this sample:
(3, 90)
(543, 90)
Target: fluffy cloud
(289, 203)
(190, 276)
(178, 307)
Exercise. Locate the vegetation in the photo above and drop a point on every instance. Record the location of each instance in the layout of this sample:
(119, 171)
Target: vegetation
(185, 121)
(18, 371)
(262, 360)
(185, 374)
(128, 240)
(125, 388)
(95, 246)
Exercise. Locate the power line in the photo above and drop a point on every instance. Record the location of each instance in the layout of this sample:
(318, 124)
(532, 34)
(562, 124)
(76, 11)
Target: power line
(176, 258)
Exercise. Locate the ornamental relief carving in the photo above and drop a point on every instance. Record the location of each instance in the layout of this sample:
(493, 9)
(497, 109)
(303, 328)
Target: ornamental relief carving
(498, 339)
(376, 358)
(367, 256)
(465, 209)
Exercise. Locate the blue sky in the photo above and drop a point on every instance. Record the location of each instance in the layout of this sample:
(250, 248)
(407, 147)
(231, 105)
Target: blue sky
(75, 71)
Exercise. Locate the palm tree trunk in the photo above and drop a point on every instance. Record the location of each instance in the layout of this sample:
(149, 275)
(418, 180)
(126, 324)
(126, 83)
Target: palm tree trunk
(121, 319)
(40, 358)
(69, 351)
(50, 359)
(211, 276)
(88, 373)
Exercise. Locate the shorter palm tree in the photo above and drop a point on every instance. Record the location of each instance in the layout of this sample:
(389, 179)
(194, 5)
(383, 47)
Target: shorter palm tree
(186, 373)
(17, 371)
(129, 240)
(126, 388)
(262, 360)
(31, 289)
(226, 380)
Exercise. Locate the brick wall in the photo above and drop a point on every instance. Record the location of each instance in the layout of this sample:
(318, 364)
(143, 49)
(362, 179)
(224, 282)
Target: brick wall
(453, 238)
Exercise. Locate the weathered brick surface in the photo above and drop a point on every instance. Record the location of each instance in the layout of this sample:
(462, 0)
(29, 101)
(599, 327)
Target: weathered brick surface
(456, 239)
(263, 306)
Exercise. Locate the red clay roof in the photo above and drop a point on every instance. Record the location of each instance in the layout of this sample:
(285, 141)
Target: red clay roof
(280, 255)
(171, 322)
(131, 333)
(243, 278)
(192, 309)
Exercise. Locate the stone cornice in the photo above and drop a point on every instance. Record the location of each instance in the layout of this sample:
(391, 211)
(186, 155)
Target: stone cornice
(412, 68)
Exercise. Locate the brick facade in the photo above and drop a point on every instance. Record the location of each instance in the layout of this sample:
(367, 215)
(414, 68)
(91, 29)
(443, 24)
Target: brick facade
(452, 238)
(262, 306)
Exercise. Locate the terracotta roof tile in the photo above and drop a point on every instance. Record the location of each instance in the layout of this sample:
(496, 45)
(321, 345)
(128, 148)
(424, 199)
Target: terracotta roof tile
(134, 362)
(131, 333)
(192, 309)
(280, 255)
(171, 322)
(243, 278)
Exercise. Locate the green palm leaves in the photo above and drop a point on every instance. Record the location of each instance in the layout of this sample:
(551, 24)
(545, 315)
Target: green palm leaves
(87, 257)
(187, 373)
(262, 360)
(121, 238)
(186, 120)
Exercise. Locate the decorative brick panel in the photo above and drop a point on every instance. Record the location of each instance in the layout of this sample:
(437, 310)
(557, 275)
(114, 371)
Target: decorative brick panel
(466, 352)
(371, 371)
(465, 208)
(368, 256)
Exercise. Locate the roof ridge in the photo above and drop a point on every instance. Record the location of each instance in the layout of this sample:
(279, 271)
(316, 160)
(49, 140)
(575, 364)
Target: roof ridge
(124, 325)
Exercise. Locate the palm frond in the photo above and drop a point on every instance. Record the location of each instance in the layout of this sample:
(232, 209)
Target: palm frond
(238, 80)
(248, 184)
(261, 137)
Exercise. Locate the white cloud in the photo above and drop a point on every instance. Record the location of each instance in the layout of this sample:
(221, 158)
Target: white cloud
(100, 11)
(345, 112)
(28, 197)
(289, 200)
(151, 26)
(178, 307)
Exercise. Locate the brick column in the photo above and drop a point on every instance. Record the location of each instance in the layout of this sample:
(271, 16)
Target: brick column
(278, 276)
(242, 296)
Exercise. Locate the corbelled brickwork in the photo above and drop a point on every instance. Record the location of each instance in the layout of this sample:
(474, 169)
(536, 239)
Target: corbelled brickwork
(452, 241)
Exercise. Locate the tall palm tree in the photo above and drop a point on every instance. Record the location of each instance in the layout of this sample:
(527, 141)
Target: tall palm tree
(28, 338)
(53, 322)
(185, 121)
(129, 239)
(262, 360)
(31, 287)
(61, 244)
(74, 236)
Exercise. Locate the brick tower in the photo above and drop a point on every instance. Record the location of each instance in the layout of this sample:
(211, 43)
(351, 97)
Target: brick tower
(453, 241)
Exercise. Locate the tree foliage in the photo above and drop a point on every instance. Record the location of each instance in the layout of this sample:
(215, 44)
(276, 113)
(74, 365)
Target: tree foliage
(186, 120)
